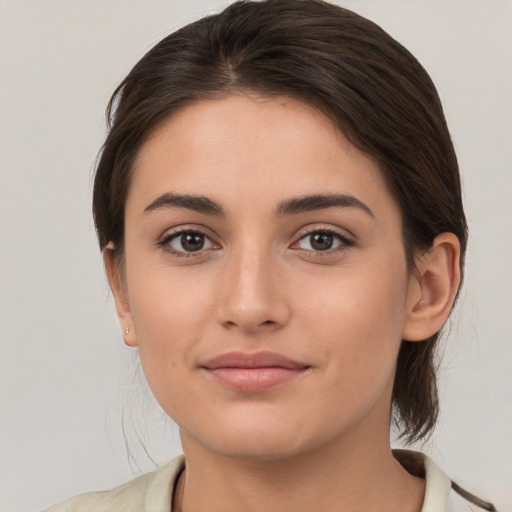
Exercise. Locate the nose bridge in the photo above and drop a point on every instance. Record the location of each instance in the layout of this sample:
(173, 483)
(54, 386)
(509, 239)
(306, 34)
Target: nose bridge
(252, 296)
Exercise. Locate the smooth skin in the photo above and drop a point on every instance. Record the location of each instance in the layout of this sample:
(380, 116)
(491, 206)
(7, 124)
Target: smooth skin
(328, 287)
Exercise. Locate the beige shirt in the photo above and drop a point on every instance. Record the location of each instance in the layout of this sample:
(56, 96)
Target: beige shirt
(152, 492)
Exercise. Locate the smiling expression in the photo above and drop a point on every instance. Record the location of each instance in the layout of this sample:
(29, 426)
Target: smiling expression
(266, 280)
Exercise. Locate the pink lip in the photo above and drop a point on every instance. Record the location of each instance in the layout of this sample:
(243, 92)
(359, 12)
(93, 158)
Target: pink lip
(253, 373)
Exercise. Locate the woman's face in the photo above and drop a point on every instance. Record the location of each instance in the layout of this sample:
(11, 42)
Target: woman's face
(266, 283)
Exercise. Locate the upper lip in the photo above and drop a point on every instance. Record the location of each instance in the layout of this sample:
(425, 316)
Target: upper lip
(249, 360)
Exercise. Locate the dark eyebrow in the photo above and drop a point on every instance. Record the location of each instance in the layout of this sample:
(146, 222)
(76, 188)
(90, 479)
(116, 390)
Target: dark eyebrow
(319, 202)
(199, 204)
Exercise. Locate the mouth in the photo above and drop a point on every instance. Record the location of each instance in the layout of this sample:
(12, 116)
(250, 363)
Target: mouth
(253, 373)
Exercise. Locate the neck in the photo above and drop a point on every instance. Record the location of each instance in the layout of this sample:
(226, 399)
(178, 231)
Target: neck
(347, 475)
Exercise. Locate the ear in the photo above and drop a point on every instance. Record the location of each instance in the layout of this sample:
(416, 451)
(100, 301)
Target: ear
(433, 288)
(120, 293)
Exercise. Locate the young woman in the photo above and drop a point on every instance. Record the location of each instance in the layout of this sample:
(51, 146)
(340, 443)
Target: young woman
(279, 208)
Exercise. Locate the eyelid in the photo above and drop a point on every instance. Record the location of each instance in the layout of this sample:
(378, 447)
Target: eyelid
(170, 234)
(346, 241)
(325, 228)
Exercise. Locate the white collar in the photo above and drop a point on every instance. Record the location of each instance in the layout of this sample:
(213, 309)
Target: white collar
(437, 489)
(438, 485)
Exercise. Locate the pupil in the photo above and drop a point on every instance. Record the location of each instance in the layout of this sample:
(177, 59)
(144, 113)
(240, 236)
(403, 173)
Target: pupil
(321, 241)
(192, 242)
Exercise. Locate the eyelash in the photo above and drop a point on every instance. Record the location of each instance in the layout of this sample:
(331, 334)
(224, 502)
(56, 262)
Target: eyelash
(164, 243)
(345, 242)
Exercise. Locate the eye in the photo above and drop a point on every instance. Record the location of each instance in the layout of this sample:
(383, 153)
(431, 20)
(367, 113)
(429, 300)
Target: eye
(322, 241)
(185, 243)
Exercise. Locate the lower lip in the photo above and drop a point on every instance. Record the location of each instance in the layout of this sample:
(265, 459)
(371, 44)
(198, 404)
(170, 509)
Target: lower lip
(254, 380)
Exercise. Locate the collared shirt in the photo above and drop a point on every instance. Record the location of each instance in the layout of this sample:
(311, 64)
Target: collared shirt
(152, 492)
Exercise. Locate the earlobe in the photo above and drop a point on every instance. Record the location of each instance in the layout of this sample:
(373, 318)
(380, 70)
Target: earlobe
(433, 288)
(120, 294)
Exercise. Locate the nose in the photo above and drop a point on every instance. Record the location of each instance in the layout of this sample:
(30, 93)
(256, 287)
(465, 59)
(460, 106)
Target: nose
(252, 297)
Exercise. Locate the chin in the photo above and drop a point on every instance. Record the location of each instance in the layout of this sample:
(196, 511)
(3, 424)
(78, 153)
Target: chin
(253, 439)
(258, 448)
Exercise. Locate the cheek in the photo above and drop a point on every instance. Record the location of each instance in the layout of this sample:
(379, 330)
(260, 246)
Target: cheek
(170, 310)
(355, 317)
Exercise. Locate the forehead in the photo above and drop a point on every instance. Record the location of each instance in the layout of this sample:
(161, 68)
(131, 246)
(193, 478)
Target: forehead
(239, 148)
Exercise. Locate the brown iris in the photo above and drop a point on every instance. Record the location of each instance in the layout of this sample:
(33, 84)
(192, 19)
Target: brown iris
(192, 241)
(321, 241)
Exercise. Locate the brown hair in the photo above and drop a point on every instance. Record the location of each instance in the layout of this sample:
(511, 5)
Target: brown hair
(368, 84)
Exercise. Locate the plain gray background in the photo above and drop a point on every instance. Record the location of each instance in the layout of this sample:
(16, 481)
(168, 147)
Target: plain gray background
(66, 379)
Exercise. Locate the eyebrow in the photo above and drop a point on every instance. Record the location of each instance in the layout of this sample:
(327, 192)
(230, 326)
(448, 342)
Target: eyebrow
(200, 204)
(293, 206)
(320, 202)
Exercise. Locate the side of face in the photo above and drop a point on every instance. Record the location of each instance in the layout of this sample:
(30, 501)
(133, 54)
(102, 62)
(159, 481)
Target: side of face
(254, 227)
